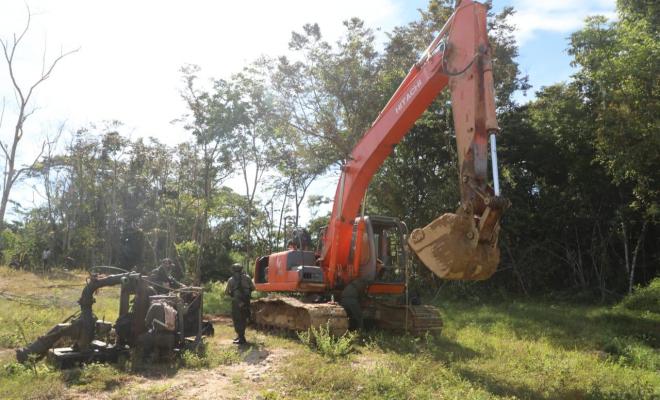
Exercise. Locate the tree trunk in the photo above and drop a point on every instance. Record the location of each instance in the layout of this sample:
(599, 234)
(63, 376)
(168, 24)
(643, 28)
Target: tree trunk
(631, 279)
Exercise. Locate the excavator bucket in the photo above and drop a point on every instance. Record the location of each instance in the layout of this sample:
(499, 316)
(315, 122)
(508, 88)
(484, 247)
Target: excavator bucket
(451, 249)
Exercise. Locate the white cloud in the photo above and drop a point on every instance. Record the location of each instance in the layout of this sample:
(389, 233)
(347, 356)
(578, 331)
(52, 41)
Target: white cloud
(561, 16)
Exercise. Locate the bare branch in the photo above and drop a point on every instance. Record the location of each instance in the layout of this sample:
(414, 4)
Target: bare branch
(43, 56)
(50, 70)
(27, 26)
(2, 113)
(4, 150)
(21, 171)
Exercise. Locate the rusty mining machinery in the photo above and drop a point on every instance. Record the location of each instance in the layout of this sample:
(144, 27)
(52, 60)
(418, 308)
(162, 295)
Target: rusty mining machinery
(153, 319)
(459, 246)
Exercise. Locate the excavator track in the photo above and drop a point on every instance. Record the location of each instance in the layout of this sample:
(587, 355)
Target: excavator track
(416, 320)
(291, 314)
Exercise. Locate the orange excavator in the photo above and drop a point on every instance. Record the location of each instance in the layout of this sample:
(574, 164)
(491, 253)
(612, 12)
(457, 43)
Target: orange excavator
(369, 254)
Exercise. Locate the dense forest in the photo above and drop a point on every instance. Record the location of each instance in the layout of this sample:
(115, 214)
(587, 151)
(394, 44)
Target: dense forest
(580, 162)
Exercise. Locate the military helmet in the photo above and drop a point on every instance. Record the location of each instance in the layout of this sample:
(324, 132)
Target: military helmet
(237, 267)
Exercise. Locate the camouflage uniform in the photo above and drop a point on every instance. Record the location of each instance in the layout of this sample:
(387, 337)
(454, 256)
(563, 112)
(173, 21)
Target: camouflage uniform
(162, 276)
(351, 297)
(239, 288)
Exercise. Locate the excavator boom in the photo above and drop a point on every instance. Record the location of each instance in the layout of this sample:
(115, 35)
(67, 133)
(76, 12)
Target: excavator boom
(454, 246)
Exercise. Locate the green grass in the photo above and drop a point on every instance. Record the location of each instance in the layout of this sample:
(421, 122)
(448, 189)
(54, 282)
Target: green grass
(502, 350)
(210, 357)
(521, 350)
(215, 301)
(19, 382)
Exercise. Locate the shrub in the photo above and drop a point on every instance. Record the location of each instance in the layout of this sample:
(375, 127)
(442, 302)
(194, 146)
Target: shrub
(644, 298)
(325, 343)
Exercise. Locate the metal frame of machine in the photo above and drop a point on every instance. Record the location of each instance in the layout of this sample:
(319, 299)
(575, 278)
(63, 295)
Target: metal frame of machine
(179, 325)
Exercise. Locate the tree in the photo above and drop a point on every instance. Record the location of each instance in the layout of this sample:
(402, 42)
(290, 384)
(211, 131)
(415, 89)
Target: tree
(24, 95)
(214, 116)
(331, 93)
(296, 165)
(252, 136)
(619, 78)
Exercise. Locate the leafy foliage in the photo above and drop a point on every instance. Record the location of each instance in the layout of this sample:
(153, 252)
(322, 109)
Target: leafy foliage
(645, 298)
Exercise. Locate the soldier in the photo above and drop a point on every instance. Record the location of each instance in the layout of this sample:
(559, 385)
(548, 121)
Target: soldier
(351, 298)
(239, 287)
(162, 276)
(45, 259)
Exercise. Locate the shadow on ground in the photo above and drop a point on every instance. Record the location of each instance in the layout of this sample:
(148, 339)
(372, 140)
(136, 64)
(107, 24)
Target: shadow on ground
(440, 347)
(569, 327)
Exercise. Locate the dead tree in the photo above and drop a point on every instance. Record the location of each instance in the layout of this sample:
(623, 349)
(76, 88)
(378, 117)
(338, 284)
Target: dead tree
(23, 94)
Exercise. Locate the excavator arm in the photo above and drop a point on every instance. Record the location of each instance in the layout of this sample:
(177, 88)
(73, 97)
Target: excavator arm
(454, 246)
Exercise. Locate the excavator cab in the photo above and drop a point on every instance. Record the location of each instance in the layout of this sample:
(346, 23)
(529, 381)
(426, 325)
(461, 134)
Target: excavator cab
(382, 254)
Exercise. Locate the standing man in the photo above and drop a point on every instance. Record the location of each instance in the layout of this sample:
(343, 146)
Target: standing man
(239, 287)
(45, 258)
(351, 299)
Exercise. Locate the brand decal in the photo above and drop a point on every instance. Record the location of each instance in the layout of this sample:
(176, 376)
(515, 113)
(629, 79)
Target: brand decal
(416, 86)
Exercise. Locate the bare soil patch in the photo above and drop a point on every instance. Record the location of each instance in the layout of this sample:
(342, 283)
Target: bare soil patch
(244, 380)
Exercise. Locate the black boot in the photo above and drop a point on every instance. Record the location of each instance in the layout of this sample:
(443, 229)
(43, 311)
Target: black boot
(21, 355)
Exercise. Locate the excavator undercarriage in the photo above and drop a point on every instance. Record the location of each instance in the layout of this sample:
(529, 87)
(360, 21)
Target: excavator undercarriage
(290, 314)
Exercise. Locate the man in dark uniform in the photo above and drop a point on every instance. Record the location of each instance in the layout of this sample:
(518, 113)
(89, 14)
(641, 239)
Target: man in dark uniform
(351, 297)
(162, 276)
(239, 288)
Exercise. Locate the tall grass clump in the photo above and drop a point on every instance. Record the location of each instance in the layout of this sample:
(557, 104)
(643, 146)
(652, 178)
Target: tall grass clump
(644, 298)
(321, 340)
(207, 357)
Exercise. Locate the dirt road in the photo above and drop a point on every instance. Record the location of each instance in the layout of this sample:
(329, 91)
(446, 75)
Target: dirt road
(247, 379)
